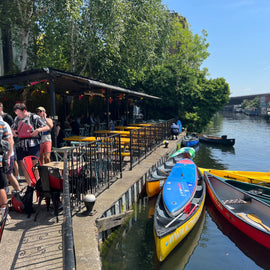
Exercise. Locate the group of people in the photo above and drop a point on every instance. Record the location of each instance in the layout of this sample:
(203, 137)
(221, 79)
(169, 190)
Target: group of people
(76, 122)
(31, 134)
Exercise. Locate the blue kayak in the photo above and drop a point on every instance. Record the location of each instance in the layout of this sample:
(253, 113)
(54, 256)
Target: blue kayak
(180, 186)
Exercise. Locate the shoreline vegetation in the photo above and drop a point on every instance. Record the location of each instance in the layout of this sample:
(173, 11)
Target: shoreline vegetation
(140, 46)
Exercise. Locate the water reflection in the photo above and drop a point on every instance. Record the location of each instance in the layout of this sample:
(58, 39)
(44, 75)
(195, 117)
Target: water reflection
(259, 254)
(211, 157)
(132, 246)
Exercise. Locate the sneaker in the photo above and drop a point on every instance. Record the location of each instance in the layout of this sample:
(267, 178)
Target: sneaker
(8, 220)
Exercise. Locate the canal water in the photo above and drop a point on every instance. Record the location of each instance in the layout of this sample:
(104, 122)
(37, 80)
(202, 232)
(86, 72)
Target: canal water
(213, 243)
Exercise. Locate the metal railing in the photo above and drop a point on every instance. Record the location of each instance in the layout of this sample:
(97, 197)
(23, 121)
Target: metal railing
(91, 167)
(145, 139)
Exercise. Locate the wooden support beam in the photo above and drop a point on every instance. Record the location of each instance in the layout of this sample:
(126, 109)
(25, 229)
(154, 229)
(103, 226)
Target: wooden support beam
(104, 224)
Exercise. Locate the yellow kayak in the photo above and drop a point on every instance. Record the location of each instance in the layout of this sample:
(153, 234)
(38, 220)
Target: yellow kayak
(261, 178)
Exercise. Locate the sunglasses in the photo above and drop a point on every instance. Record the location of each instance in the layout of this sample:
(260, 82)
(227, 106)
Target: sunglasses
(38, 111)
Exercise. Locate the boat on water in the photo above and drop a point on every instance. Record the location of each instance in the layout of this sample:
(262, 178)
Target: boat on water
(245, 212)
(261, 178)
(156, 180)
(183, 252)
(258, 191)
(222, 140)
(170, 230)
(190, 140)
(180, 186)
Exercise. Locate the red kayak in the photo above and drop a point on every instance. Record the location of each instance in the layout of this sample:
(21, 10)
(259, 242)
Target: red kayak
(245, 212)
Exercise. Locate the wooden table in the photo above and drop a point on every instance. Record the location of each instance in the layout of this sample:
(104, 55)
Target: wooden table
(141, 125)
(126, 128)
(121, 132)
(74, 138)
(55, 164)
(60, 164)
(89, 139)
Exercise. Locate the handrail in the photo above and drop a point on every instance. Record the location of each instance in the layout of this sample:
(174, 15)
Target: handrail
(67, 230)
(92, 166)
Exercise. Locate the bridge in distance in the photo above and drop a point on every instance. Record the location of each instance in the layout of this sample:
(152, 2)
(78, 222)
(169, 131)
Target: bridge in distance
(239, 99)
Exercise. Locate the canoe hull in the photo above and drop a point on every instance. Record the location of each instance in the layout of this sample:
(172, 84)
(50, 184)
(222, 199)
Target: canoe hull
(154, 187)
(243, 223)
(166, 239)
(242, 176)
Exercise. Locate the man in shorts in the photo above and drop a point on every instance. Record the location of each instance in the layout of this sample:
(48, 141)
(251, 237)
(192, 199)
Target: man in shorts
(29, 144)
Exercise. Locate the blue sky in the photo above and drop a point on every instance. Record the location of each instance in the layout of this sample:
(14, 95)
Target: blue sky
(239, 38)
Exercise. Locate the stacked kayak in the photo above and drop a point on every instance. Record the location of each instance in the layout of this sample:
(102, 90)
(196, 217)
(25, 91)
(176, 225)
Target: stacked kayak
(156, 180)
(178, 206)
(190, 140)
(262, 178)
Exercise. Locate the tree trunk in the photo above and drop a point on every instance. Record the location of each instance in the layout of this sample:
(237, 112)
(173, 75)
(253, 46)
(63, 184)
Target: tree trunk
(25, 41)
(7, 49)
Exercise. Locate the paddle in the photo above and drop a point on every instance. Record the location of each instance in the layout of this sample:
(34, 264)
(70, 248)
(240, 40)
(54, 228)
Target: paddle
(163, 172)
(171, 222)
(184, 212)
(257, 220)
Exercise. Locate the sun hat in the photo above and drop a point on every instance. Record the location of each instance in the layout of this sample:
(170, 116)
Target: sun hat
(41, 109)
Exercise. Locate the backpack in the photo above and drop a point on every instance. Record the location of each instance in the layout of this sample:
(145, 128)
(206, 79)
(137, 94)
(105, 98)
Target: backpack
(23, 201)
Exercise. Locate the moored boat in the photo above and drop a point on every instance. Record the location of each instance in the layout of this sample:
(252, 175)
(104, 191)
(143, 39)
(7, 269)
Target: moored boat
(258, 191)
(222, 140)
(248, 214)
(190, 140)
(262, 178)
(155, 181)
(180, 186)
(170, 231)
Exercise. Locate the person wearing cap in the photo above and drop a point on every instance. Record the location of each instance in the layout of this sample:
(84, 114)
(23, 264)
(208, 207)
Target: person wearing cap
(46, 138)
(29, 142)
(174, 131)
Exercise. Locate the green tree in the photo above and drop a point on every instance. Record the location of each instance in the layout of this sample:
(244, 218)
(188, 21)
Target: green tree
(253, 103)
(186, 92)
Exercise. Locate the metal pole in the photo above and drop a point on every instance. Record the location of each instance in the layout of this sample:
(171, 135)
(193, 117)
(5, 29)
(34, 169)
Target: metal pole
(108, 109)
(52, 95)
(68, 244)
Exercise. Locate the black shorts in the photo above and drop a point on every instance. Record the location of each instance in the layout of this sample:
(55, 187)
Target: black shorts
(30, 151)
(3, 179)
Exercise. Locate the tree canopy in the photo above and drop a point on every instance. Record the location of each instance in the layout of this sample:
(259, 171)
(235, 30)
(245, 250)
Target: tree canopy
(136, 44)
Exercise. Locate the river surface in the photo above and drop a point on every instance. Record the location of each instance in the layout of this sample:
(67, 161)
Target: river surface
(213, 243)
